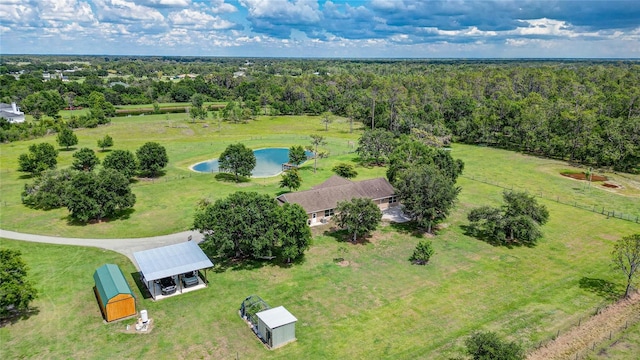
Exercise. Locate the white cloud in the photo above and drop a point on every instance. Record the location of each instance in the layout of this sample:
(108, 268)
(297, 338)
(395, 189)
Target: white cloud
(125, 11)
(221, 7)
(66, 10)
(168, 3)
(17, 12)
(199, 20)
(299, 11)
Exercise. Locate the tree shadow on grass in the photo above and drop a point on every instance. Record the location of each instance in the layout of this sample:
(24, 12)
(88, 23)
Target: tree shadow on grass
(341, 235)
(474, 232)
(15, 316)
(226, 177)
(121, 215)
(600, 287)
(408, 228)
(137, 278)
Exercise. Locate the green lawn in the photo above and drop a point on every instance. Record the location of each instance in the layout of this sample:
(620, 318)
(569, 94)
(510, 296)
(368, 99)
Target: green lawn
(166, 205)
(377, 306)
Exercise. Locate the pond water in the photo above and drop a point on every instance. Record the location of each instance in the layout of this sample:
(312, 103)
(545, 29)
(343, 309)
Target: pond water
(268, 162)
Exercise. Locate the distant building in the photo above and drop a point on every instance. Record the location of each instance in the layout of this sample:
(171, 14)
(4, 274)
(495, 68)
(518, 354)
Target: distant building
(11, 112)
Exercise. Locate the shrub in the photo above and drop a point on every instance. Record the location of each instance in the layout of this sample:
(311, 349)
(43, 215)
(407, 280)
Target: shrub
(422, 253)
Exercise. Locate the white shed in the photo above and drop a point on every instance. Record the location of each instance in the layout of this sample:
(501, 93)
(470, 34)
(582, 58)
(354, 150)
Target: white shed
(276, 326)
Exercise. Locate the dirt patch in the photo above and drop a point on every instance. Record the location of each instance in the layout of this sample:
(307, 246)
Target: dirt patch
(594, 330)
(611, 186)
(583, 176)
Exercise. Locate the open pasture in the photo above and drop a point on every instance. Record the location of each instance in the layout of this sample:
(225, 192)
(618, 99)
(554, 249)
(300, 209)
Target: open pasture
(374, 304)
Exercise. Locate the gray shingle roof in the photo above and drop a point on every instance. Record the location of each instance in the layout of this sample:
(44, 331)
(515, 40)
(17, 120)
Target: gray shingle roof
(327, 195)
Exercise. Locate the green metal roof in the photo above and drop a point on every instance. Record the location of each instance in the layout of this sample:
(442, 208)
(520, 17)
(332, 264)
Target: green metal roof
(110, 282)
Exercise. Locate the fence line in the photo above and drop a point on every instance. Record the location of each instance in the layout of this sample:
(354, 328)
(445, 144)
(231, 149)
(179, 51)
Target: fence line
(614, 334)
(593, 208)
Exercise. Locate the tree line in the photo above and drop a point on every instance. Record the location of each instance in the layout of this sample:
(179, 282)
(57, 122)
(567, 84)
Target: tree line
(586, 112)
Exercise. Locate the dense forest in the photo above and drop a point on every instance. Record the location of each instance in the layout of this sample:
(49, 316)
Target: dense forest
(586, 112)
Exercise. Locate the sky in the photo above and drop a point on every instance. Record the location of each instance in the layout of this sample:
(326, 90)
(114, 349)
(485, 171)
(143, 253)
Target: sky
(324, 28)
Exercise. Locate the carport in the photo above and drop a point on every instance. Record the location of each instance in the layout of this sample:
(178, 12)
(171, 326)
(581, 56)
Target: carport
(171, 262)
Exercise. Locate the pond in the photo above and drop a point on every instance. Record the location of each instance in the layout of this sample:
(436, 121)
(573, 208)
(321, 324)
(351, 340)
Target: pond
(268, 162)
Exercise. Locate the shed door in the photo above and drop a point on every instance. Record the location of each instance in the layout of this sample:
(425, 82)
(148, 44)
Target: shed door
(269, 338)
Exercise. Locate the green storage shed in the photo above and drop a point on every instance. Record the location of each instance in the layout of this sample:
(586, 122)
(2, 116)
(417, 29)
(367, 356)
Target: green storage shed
(114, 295)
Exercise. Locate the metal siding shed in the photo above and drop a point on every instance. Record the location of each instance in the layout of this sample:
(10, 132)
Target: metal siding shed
(171, 260)
(277, 326)
(276, 317)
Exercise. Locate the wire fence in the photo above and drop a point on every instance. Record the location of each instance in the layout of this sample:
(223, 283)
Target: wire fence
(598, 209)
(601, 338)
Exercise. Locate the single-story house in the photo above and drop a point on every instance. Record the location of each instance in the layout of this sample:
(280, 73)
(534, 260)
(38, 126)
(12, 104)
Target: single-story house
(11, 112)
(320, 202)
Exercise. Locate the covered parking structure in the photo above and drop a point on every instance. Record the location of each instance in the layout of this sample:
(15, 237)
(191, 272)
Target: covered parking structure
(172, 262)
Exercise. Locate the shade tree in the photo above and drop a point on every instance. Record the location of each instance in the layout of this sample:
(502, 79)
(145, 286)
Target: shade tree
(294, 233)
(16, 289)
(66, 138)
(375, 146)
(123, 161)
(105, 142)
(358, 216)
(252, 225)
(238, 160)
(48, 190)
(85, 159)
(91, 196)
(426, 194)
(40, 157)
(152, 158)
(412, 153)
(517, 221)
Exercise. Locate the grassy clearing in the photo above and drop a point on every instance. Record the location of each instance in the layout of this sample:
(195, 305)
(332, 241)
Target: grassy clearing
(166, 205)
(171, 198)
(377, 306)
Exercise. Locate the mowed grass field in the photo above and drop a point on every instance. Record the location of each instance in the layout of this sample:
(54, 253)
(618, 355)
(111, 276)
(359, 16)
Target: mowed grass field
(375, 304)
(166, 205)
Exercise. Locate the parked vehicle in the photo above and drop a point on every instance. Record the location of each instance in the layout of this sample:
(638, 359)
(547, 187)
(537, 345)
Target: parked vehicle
(168, 286)
(190, 278)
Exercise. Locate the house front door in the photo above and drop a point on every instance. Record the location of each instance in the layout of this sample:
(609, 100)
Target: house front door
(313, 218)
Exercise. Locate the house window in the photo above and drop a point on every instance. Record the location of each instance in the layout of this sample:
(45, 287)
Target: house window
(328, 212)
(393, 199)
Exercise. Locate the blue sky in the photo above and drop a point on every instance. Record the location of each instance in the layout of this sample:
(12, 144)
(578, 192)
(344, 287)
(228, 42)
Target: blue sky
(319, 28)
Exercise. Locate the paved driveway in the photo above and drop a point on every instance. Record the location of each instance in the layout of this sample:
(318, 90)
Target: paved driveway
(124, 246)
